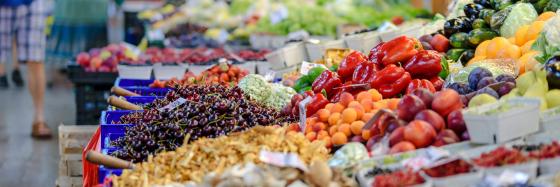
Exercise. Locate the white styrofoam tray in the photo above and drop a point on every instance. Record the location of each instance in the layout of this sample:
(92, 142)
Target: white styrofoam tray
(166, 72)
(315, 51)
(504, 126)
(134, 72)
(287, 56)
(530, 167)
(550, 120)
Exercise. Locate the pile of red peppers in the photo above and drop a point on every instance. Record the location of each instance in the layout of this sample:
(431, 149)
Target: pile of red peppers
(395, 67)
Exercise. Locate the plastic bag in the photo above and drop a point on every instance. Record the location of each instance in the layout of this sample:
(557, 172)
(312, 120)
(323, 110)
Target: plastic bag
(497, 20)
(90, 171)
(496, 66)
(520, 14)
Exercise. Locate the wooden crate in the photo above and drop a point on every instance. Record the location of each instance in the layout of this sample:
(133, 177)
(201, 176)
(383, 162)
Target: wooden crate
(70, 165)
(64, 181)
(73, 138)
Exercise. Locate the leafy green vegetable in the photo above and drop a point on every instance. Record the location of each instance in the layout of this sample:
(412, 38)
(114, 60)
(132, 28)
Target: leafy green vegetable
(520, 14)
(444, 67)
(548, 41)
(553, 5)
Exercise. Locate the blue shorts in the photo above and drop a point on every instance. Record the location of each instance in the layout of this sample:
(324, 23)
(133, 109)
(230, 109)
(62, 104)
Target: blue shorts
(25, 24)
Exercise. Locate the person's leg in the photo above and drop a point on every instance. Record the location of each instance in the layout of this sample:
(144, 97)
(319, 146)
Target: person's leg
(3, 77)
(16, 74)
(36, 84)
(6, 28)
(31, 49)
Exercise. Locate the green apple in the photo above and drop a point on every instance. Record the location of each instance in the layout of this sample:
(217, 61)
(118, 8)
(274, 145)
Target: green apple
(481, 99)
(553, 98)
(524, 81)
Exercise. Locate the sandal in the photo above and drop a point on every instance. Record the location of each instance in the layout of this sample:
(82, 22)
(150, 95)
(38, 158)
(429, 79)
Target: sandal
(40, 130)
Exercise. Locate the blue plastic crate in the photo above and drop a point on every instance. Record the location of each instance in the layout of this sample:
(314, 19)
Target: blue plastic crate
(106, 172)
(145, 91)
(133, 82)
(138, 100)
(110, 132)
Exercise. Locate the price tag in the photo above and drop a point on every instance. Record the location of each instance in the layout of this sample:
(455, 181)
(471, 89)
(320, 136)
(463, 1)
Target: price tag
(269, 76)
(173, 105)
(306, 66)
(222, 36)
(278, 14)
(302, 113)
(155, 35)
(282, 159)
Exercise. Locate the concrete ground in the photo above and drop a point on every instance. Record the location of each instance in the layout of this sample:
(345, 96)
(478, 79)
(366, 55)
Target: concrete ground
(25, 161)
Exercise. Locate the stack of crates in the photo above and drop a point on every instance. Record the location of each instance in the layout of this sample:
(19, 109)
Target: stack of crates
(91, 90)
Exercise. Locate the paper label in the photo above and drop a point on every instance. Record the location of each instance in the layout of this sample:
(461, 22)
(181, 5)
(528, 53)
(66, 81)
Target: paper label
(155, 35)
(306, 66)
(173, 105)
(222, 36)
(302, 113)
(269, 76)
(282, 159)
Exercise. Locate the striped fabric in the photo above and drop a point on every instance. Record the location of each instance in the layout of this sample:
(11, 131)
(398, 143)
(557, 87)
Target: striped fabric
(25, 24)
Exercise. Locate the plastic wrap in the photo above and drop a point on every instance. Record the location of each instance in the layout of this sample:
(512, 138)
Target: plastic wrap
(496, 66)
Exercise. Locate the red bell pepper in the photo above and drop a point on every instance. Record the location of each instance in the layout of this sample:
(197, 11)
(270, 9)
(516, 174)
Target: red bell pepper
(364, 73)
(420, 83)
(391, 81)
(326, 81)
(437, 81)
(317, 102)
(425, 64)
(375, 54)
(400, 49)
(349, 63)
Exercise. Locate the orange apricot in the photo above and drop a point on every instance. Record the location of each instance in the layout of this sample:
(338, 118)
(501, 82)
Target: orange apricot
(346, 98)
(367, 116)
(349, 115)
(323, 115)
(367, 104)
(366, 134)
(339, 138)
(311, 136)
(337, 108)
(364, 95)
(333, 129)
(345, 128)
(356, 127)
(375, 95)
(333, 119)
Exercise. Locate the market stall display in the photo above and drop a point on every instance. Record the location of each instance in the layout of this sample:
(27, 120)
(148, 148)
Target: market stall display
(462, 103)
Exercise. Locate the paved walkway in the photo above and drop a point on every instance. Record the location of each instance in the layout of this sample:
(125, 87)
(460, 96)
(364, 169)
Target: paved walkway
(23, 160)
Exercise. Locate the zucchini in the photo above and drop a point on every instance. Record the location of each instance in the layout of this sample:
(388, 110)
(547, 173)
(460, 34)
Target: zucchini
(466, 56)
(477, 36)
(479, 24)
(454, 54)
(486, 14)
(459, 40)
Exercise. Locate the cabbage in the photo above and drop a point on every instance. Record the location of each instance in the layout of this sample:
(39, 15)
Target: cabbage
(256, 87)
(280, 97)
(520, 14)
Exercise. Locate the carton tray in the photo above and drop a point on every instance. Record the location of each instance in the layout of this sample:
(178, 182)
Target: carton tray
(501, 127)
